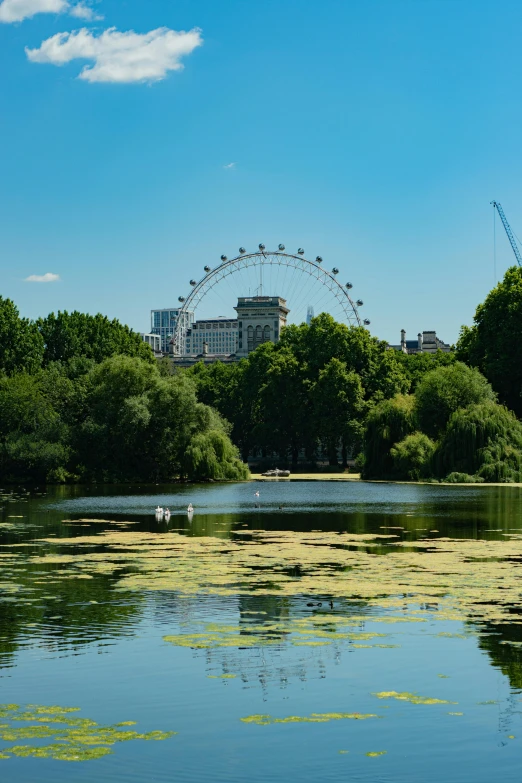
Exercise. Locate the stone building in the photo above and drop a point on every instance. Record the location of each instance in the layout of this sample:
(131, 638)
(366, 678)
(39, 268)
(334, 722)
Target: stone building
(219, 334)
(427, 342)
(260, 320)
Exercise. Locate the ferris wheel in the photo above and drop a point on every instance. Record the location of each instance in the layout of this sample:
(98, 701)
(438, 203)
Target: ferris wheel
(306, 285)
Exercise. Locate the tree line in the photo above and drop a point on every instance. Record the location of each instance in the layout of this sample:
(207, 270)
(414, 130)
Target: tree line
(83, 399)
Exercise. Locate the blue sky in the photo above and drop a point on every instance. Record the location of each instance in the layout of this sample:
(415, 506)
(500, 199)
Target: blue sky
(374, 133)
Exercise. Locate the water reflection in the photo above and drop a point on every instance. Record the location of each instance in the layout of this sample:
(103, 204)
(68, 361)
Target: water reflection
(268, 634)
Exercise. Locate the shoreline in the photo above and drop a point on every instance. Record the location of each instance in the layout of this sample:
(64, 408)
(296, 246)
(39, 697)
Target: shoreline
(357, 477)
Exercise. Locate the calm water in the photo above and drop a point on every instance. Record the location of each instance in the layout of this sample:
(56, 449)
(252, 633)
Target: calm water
(81, 636)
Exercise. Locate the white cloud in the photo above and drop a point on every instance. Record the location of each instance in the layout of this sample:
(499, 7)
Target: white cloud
(17, 10)
(83, 11)
(47, 278)
(120, 57)
(229, 166)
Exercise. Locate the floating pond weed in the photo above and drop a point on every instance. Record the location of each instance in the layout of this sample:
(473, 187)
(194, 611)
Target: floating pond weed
(315, 717)
(413, 698)
(80, 739)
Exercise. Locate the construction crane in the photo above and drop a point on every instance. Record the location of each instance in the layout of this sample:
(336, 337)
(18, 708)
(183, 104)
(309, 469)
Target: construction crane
(509, 233)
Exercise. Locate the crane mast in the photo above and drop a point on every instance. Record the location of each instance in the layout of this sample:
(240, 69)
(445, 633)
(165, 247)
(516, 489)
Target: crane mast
(509, 233)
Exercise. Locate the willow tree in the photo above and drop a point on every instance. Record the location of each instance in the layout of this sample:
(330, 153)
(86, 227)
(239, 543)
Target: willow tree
(483, 440)
(443, 391)
(388, 423)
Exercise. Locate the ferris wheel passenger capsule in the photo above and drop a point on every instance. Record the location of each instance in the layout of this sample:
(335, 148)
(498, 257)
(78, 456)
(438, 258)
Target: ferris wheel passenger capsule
(359, 303)
(366, 322)
(349, 285)
(223, 258)
(181, 298)
(192, 282)
(261, 246)
(335, 271)
(242, 250)
(301, 251)
(207, 269)
(281, 247)
(319, 259)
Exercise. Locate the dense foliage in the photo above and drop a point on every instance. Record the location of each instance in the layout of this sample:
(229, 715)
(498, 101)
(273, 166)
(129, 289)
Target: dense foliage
(82, 398)
(444, 391)
(494, 344)
(120, 421)
(451, 428)
(306, 396)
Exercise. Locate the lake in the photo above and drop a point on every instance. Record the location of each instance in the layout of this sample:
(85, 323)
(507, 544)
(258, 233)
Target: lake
(323, 631)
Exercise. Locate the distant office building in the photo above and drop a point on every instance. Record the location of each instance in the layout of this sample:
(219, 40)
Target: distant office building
(309, 314)
(260, 320)
(154, 340)
(163, 323)
(218, 334)
(427, 342)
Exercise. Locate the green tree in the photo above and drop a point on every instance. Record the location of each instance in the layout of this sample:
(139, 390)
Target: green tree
(446, 389)
(283, 422)
(379, 369)
(21, 346)
(140, 424)
(493, 343)
(68, 336)
(338, 409)
(412, 456)
(388, 423)
(34, 441)
(483, 440)
(417, 365)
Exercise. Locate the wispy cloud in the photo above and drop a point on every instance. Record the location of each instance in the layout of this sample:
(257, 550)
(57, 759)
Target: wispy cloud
(120, 57)
(84, 11)
(49, 277)
(229, 166)
(18, 10)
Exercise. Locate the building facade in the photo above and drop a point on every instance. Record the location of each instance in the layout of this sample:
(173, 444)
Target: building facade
(163, 323)
(154, 340)
(426, 342)
(260, 320)
(219, 334)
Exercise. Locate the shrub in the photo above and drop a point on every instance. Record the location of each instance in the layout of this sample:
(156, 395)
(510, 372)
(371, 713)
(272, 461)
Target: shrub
(463, 478)
(412, 456)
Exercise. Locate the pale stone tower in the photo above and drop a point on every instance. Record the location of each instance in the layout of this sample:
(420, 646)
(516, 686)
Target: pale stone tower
(260, 320)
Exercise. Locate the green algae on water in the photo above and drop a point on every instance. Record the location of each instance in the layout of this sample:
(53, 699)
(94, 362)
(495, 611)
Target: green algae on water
(76, 739)
(374, 753)
(315, 717)
(413, 698)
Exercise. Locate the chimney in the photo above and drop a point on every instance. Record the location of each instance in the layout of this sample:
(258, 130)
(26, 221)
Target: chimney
(403, 340)
(419, 341)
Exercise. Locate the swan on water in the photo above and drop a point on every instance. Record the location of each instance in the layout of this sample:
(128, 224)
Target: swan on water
(256, 494)
(167, 513)
(190, 509)
(159, 511)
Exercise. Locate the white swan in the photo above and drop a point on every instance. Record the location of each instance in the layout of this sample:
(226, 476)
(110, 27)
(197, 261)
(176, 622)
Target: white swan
(167, 514)
(190, 509)
(159, 511)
